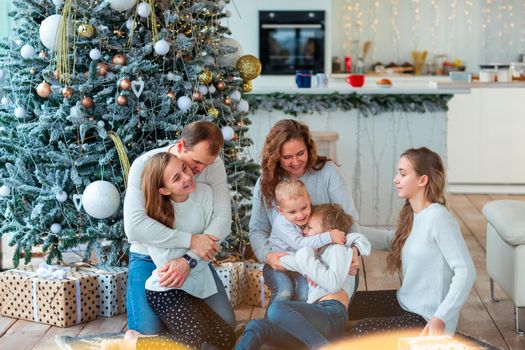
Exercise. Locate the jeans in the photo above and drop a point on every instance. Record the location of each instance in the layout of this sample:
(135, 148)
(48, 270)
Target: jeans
(287, 285)
(141, 317)
(293, 324)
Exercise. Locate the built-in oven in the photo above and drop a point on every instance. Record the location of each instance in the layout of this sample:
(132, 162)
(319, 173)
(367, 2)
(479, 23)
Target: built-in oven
(291, 41)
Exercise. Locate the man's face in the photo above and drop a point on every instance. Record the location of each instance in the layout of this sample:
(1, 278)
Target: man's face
(197, 158)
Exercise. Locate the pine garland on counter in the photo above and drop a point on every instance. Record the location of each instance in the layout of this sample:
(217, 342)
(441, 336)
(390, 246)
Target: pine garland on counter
(295, 104)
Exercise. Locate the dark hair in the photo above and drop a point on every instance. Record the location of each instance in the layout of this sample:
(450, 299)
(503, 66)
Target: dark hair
(332, 216)
(272, 173)
(425, 162)
(200, 131)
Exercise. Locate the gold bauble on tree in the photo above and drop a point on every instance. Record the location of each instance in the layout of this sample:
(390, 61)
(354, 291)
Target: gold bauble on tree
(125, 84)
(212, 112)
(122, 100)
(227, 101)
(171, 95)
(220, 85)
(43, 89)
(42, 54)
(246, 86)
(102, 69)
(67, 92)
(86, 30)
(119, 59)
(87, 102)
(205, 77)
(249, 67)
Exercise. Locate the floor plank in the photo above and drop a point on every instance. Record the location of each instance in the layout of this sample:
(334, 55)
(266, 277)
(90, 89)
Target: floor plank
(47, 341)
(105, 325)
(469, 213)
(5, 324)
(23, 335)
(376, 276)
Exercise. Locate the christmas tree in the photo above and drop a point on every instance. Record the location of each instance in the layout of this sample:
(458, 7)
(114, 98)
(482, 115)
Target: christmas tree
(89, 85)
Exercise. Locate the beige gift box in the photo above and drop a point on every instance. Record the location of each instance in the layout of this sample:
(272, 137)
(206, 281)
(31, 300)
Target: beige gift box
(232, 277)
(257, 292)
(60, 298)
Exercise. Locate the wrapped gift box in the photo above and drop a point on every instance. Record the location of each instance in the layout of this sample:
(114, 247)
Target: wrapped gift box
(257, 292)
(112, 284)
(232, 276)
(433, 342)
(49, 294)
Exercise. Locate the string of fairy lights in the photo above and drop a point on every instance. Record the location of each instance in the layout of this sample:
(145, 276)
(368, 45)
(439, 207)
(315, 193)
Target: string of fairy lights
(443, 27)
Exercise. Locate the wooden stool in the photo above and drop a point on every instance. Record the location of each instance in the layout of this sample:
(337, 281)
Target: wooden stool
(326, 143)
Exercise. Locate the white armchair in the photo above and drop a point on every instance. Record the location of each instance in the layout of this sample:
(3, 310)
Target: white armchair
(506, 251)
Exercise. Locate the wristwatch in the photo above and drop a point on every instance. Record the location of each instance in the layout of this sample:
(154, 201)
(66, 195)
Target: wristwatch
(191, 262)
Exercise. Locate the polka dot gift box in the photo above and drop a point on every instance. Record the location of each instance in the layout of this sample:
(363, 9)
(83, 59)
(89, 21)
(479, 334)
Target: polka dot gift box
(48, 294)
(112, 283)
(257, 292)
(232, 276)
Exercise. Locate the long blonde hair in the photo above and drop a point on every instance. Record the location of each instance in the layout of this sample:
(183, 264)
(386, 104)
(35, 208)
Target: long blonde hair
(158, 206)
(272, 172)
(425, 162)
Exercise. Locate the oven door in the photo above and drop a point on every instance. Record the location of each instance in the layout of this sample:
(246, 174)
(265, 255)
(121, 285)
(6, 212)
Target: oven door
(287, 47)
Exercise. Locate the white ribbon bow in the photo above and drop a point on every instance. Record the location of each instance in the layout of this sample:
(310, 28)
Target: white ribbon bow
(53, 272)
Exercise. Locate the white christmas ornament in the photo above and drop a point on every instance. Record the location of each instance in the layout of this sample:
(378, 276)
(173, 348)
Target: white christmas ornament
(227, 133)
(137, 86)
(221, 3)
(58, 3)
(212, 89)
(101, 124)
(20, 112)
(27, 51)
(5, 191)
(2, 74)
(243, 106)
(48, 31)
(170, 76)
(61, 196)
(228, 14)
(203, 89)
(235, 96)
(121, 5)
(56, 228)
(144, 9)
(5, 101)
(95, 54)
(130, 24)
(162, 47)
(230, 59)
(75, 113)
(184, 103)
(208, 60)
(101, 199)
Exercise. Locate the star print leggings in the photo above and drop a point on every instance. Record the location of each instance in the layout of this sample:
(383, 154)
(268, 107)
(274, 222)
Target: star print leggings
(190, 323)
(379, 311)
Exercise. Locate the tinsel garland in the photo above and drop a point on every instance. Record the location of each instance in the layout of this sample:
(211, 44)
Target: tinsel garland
(368, 105)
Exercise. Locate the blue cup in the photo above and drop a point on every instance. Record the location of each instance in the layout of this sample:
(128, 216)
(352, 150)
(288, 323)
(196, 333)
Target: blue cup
(303, 78)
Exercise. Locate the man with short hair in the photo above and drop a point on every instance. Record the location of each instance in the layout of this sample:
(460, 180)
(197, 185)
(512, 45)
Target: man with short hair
(199, 148)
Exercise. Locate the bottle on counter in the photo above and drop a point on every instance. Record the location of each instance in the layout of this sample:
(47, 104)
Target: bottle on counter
(336, 65)
(348, 64)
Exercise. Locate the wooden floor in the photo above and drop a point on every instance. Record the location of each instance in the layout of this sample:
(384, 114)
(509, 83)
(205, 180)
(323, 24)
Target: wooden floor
(480, 317)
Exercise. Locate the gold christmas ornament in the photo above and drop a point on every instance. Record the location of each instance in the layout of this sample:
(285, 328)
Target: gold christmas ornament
(122, 100)
(102, 69)
(205, 77)
(247, 86)
(221, 85)
(119, 59)
(32, 71)
(172, 95)
(227, 101)
(67, 92)
(249, 67)
(86, 30)
(42, 54)
(119, 33)
(43, 89)
(196, 96)
(87, 102)
(213, 112)
(125, 84)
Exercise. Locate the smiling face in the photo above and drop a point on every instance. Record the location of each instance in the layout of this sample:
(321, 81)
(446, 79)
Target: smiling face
(314, 226)
(177, 180)
(197, 158)
(294, 157)
(295, 209)
(408, 183)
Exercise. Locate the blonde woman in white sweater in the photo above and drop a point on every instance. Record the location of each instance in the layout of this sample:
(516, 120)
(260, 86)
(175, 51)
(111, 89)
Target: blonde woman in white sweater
(427, 248)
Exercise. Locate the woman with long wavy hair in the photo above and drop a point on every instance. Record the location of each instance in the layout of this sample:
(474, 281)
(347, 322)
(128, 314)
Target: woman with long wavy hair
(290, 152)
(427, 248)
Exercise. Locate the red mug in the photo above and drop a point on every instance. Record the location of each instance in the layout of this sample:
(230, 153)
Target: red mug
(356, 80)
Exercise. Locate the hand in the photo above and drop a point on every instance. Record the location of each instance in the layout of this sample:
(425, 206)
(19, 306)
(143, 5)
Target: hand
(354, 266)
(273, 259)
(337, 236)
(434, 327)
(174, 273)
(310, 282)
(205, 246)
